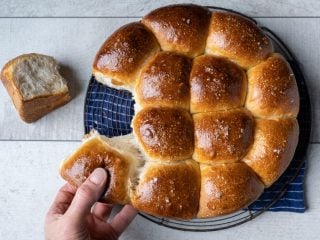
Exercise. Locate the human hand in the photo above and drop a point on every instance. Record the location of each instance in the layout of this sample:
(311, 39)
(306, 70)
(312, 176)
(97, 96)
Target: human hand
(76, 214)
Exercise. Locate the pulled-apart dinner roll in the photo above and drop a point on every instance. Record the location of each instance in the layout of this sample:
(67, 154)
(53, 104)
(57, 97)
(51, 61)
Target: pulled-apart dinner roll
(115, 155)
(237, 38)
(226, 188)
(222, 137)
(168, 190)
(120, 58)
(164, 134)
(164, 81)
(209, 91)
(35, 85)
(272, 89)
(274, 145)
(216, 84)
(180, 28)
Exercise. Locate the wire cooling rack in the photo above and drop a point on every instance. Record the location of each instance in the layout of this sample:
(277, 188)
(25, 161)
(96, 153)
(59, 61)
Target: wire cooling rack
(110, 112)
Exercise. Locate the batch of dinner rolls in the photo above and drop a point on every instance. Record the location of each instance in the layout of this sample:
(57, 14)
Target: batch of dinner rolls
(215, 114)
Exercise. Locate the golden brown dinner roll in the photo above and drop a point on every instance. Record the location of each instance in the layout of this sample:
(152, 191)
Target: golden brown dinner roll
(164, 81)
(226, 188)
(122, 55)
(35, 85)
(96, 152)
(272, 89)
(180, 28)
(168, 190)
(274, 145)
(222, 137)
(237, 38)
(164, 134)
(216, 84)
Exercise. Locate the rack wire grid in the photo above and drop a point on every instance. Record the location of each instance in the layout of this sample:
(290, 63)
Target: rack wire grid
(110, 111)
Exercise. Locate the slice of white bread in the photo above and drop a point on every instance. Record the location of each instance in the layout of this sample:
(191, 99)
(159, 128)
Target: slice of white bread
(35, 85)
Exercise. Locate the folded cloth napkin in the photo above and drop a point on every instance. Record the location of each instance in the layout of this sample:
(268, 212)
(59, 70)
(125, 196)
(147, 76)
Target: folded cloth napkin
(110, 112)
(292, 199)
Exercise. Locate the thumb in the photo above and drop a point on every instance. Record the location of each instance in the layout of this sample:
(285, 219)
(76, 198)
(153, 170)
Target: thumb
(87, 195)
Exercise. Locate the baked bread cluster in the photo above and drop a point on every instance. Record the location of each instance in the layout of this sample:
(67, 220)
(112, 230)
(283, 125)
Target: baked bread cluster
(215, 114)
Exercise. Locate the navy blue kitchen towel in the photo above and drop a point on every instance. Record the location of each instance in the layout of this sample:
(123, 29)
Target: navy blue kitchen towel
(110, 112)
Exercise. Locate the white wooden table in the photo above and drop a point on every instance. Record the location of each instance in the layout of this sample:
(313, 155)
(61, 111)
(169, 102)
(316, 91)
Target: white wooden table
(72, 31)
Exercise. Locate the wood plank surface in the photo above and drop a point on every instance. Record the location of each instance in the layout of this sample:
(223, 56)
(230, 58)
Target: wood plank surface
(29, 181)
(140, 7)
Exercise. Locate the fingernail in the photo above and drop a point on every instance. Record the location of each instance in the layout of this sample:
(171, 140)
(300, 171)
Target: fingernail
(97, 176)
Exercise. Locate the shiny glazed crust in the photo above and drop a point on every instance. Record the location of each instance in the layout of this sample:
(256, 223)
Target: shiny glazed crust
(169, 190)
(274, 144)
(164, 81)
(237, 38)
(180, 28)
(96, 153)
(164, 134)
(122, 55)
(272, 89)
(216, 84)
(222, 137)
(226, 188)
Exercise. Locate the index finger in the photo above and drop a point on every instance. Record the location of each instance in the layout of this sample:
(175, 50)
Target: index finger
(62, 200)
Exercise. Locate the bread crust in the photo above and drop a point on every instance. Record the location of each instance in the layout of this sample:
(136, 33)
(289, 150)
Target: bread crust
(275, 142)
(180, 28)
(237, 38)
(169, 190)
(226, 188)
(222, 137)
(164, 134)
(96, 153)
(216, 84)
(122, 55)
(164, 81)
(272, 89)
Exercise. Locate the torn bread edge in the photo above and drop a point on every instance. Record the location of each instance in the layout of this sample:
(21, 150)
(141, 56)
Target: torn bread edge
(124, 145)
